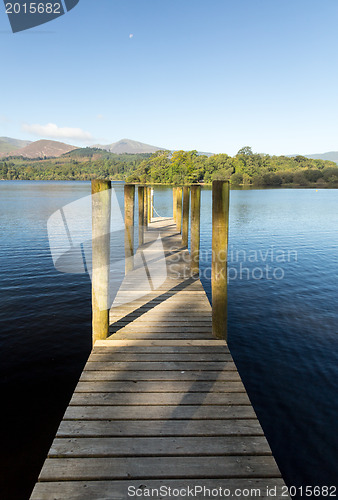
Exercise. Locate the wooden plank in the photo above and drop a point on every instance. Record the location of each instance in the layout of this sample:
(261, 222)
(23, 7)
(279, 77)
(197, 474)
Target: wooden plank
(64, 469)
(178, 291)
(176, 286)
(171, 320)
(170, 288)
(134, 335)
(172, 412)
(163, 302)
(178, 295)
(91, 376)
(115, 428)
(165, 316)
(237, 397)
(179, 283)
(201, 307)
(154, 316)
(165, 366)
(152, 446)
(164, 323)
(173, 343)
(160, 328)
(159, 386)
(122, 357)
(173, 290)
(196, 350)
(163, 299)
(261, 488)
(170, 311)
(163, 305)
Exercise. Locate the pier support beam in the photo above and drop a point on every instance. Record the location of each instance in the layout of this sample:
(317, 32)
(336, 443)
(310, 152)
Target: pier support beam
(129, 199)
(152, 203)
(185, 216)
(174, 202)
(220, 223)
(101, 209)
(179, 209)
(145, 213)
(195, 229)
(140, 215)
(149, 205)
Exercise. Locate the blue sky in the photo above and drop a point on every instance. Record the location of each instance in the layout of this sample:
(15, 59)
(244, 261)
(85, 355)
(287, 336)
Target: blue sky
(212, 75)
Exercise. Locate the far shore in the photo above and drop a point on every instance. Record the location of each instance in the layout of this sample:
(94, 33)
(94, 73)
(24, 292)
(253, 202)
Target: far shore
(239, 187)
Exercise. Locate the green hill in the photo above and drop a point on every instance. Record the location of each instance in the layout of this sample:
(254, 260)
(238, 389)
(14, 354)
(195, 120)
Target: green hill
(97, 153)
(8, 144)
(79, 164)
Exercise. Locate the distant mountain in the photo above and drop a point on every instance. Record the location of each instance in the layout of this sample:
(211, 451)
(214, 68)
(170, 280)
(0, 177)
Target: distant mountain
(40, 149)
(331, 156)
(128, 146)
(8, 144)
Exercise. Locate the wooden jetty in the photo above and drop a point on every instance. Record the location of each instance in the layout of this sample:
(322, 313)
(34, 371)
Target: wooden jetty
(160, 402)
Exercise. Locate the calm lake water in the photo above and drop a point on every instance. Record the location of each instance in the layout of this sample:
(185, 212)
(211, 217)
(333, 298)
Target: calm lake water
(283, 323)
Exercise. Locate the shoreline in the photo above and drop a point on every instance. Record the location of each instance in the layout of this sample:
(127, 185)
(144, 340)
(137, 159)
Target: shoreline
(240, 187)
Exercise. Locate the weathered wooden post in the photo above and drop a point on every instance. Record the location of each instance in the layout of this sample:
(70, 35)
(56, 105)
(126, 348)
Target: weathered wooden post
(220, 224)
(179, 209)
(174, 202)
(195, 228)
(149, 204)
(129, 197)
(185, 215)
(145, 206)
(101, 208)
(140, 215)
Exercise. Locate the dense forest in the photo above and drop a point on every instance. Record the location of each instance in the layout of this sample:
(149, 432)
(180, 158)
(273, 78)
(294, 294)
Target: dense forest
(246, 168)
(180, 167)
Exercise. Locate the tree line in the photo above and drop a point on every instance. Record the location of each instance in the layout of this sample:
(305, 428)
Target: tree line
(244, 169)
(180, 167)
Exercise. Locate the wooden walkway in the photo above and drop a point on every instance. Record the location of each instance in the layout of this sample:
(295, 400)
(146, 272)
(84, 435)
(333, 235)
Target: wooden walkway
(160, 402)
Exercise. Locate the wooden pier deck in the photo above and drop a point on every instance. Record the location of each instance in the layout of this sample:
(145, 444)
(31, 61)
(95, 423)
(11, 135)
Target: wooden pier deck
(160, 402)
